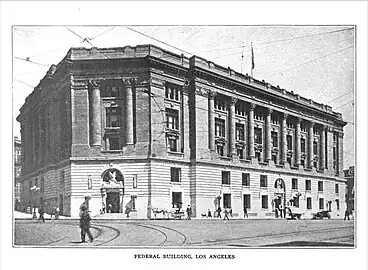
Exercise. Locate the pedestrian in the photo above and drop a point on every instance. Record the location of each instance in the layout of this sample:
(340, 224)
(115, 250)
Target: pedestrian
(245, 211)
(347, 214)
(209, 213)
(85, 224)
(85, 203)
(127, 211)
(281, 209)
(103, 208)
(226, 214)
(41, 212)
(57, 212)
(219, 212)
(189, 212)
(231, 212)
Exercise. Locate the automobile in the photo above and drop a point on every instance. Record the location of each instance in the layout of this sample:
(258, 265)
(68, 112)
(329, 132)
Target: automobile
(322, 215)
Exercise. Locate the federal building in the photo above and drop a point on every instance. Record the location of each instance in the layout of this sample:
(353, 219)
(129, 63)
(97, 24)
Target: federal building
(145, 127)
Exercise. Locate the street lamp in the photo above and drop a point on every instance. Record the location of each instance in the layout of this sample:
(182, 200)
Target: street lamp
(34, 191)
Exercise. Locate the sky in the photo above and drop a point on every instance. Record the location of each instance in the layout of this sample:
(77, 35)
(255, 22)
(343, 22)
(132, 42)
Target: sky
(315, 62)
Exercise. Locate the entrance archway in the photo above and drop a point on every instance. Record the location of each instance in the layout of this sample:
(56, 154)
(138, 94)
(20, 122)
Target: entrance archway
(112, 191)
(279, 201)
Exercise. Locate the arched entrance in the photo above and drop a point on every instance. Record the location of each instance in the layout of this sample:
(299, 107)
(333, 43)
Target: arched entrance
(112, 191)
(279, 201)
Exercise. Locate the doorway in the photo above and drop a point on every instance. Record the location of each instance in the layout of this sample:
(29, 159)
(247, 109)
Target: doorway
(113, 202)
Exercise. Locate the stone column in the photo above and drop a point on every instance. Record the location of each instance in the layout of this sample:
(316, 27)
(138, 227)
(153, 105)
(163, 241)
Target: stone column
(95, 113)
(340, 154)
(310, 145)
(268, 135)
(322, 148)
(251, 131)
(283, 139)
(232, 126)
(211, 120)
(297, 142)
(129, 113)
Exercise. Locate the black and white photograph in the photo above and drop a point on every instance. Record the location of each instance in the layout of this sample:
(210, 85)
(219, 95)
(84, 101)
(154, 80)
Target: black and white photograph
(184, 141)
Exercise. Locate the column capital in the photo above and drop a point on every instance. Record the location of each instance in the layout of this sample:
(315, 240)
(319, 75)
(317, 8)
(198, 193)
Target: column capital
(92, 84)
(285, 116)
(252, 106)
(340, 134)
(298, 120)
(129, 81)
(211, 94)
(233, 100)
(269, 111)
(311, 124)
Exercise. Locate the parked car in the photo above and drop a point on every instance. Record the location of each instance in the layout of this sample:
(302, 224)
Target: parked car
(322, 215)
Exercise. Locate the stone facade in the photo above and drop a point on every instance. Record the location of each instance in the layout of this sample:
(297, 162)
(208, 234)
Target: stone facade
(143, 128)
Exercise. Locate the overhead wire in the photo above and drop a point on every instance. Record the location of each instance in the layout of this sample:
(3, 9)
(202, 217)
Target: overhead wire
(279, 40)
(310, 61)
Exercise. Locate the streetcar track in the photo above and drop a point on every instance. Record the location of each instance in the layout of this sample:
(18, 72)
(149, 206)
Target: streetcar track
(170, 229)
(165, 235)
(111, 239)
(272, 235)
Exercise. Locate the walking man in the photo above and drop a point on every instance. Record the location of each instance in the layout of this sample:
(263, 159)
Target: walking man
(85, 224)
(226, 214)
(41, 212)
(189, 212)
(245, 211)
(347, 214)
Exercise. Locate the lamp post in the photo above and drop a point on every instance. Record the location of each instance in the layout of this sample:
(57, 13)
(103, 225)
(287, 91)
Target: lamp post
(34, 191)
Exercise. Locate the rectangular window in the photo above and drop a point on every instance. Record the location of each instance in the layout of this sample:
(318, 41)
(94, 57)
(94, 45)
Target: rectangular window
(175, 174)
(227, 200)
(240, 153)
(220, 104)
(239, 132)
(302, 162)
(302, 145)
(320, 186)
(321, 204)
(309, 203)
(246, 201)
(303, 127)
(114, 91)
(173, 144)
(258, 135)
(172, 119)
(308, 185)
(274, 119)
(263, 181)
(220, 127)
(176, 200)
(289, 141)
(240, 108)
(113, 117)
(314, 148)
(274, 158)
(114, 143)
(274, 139)
(337, 188)
(264, 201)
(294, 183)
(289, 124)
(337, 204)
(172, 92)
(225, 178)
(258, 156)
(288, 160)
(220, 150)
(246, 179)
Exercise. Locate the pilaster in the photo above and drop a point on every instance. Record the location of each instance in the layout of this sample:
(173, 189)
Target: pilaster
(251, 131)
(95, 113)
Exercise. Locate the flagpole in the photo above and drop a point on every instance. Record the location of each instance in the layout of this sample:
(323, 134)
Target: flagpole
(251, 62)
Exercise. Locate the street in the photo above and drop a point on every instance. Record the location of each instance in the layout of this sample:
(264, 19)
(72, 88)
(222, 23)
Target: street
(197, 233)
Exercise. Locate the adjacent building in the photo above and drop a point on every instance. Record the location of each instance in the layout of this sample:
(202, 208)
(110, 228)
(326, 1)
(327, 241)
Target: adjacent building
(350, 188)
(17, 171)
(144, 128)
